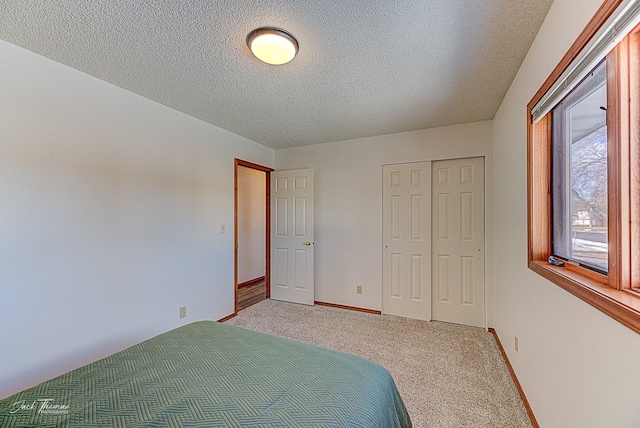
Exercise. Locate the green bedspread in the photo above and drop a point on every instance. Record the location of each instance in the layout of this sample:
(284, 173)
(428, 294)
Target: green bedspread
(208, 374)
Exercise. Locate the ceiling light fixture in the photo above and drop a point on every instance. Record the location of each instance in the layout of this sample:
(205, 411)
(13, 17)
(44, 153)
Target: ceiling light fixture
(272, 45)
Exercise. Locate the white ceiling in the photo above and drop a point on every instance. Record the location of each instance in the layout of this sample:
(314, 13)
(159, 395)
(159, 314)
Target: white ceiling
(367, 67)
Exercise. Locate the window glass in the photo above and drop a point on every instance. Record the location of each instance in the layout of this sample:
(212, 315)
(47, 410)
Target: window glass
(579, 175)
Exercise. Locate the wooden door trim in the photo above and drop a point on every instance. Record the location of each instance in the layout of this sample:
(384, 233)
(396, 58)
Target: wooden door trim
(267, 272)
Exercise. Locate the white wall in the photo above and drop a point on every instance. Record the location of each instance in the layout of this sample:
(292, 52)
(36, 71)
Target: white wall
(577, 366)
(348, 198)
(251, 224)
(110, 214)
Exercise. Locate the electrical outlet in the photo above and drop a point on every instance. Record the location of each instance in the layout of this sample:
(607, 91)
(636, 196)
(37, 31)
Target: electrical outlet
(359, 289)
(223, 229)
(515, 343)
(183, 311)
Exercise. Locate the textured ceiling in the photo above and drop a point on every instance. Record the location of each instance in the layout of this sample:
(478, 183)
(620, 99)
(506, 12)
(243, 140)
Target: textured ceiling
(366, 67)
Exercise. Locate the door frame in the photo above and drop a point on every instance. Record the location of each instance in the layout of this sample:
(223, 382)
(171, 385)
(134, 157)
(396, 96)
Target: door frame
(267, 273)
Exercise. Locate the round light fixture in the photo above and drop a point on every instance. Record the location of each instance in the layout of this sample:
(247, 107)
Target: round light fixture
(272, 45)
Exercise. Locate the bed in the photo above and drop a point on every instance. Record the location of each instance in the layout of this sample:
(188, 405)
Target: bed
(208, 374)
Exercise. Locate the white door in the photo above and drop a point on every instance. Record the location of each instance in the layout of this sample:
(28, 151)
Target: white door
(458, 241)
(292, 236)
(406, 267)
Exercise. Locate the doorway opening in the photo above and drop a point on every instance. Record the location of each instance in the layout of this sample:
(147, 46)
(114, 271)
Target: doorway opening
(251, 233)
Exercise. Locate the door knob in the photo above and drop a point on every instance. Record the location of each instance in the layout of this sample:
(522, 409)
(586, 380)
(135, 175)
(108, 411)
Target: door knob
(307, 243)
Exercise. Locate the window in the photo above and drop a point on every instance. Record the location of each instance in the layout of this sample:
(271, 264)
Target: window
(579, 171)
(584, 166)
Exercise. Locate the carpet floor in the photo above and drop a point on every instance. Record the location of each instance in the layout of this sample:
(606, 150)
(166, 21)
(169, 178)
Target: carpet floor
(448, 375)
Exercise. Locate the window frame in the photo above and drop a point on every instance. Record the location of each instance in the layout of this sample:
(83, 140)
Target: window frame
(617, 293)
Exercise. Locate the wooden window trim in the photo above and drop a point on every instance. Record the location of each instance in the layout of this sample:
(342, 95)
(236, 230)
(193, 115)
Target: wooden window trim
(616, 294)
(618, 165)
(621, 305)
(598, 20)
(634, 154)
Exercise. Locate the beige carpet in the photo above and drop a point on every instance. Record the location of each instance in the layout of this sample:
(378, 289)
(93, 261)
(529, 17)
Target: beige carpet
(448, 375)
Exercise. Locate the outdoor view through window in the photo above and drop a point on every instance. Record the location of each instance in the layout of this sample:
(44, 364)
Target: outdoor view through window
(579, 176)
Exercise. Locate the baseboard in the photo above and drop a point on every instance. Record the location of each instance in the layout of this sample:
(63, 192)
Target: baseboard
(251, 281)
(515, 380)
(351, 308)
(228, 318)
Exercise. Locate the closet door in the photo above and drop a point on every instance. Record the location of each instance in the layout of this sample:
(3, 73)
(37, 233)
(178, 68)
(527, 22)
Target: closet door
(458, 241)
(406, 284)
